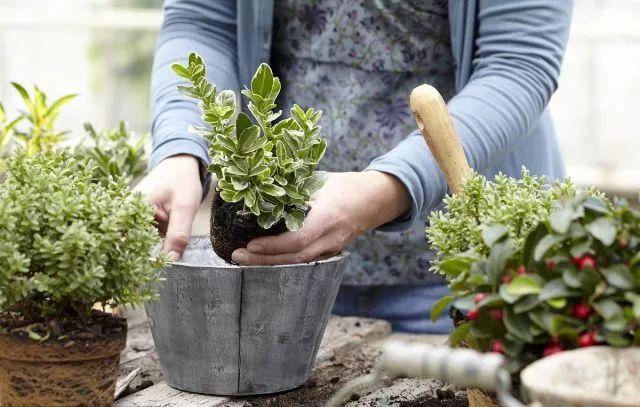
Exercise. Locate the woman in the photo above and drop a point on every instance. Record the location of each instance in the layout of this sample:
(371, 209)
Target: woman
(497, 63)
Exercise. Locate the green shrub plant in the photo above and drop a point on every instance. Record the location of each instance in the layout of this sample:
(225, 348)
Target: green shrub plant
(68, 242)
(268, 165)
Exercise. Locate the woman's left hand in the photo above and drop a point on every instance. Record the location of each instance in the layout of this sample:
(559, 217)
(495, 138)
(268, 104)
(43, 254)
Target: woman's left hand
(347, 205)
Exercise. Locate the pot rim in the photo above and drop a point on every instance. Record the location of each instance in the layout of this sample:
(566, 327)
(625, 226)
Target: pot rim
(338, 257)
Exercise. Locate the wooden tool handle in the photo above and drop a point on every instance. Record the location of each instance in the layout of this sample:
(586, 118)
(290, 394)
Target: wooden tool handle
(434, 121)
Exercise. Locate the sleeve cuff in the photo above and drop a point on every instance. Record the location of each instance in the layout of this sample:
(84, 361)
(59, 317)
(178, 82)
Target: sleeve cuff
(405, 221)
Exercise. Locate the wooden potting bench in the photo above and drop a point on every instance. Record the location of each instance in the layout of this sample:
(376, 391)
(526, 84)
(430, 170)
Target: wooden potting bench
(349, 349)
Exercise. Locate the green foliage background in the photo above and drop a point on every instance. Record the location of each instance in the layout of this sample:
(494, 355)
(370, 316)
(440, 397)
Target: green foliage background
(67, 242)
(117, 153)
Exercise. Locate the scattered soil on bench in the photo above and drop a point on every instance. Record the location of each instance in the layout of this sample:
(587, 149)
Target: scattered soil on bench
(329, 377)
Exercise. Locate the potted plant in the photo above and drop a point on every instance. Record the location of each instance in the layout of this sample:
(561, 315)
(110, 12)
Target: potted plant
(574, 281)
(117, 153)
(225, 329)
(266, 171)
(41, 134)
(66, 243)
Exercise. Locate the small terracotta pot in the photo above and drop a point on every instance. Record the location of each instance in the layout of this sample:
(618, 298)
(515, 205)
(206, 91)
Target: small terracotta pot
(49, 374)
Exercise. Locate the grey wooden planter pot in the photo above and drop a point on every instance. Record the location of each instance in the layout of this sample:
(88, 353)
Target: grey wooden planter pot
(230, 330)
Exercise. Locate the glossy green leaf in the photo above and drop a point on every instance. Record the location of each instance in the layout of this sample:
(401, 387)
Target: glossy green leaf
(456, 265)
(545, 244)
(524, 285)
(262, 82)
(506, 295)
(272, 190)
(294, 219)
(460, 334)
(557, 303)
(493, 233)
(617, 340)
(556, 288)
(620, 276)
(518, 326)
(442, 304)
(608, 308)
(561, 217)
(526, 303)
(603, 229)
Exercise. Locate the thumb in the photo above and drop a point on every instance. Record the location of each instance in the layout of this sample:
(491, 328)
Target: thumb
(179, 230)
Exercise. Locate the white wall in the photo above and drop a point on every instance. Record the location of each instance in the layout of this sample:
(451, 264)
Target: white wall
(597, 106)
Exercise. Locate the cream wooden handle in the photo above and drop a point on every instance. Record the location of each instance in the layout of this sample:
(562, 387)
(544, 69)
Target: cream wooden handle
(434, 121)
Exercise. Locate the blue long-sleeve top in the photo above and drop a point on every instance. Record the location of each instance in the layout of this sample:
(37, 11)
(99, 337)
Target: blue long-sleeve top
(508, 55)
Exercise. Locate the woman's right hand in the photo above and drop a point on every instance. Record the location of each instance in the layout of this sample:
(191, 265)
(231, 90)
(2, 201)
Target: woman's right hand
(174, 189)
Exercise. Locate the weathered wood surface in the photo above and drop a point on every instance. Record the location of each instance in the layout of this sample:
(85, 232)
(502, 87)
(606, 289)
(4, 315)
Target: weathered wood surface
(349, 346)
(124, 382)
(334, 373)
(149, 388)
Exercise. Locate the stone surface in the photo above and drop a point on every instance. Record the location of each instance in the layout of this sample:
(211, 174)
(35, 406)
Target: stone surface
(586, 377)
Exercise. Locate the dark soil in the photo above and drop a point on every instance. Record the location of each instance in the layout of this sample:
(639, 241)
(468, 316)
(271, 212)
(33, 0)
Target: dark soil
(231, 231)
(327, 379)
(97, 325)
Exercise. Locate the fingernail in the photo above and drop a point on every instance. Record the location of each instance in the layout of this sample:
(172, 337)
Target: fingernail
(239, 256)
(173, 255)
(255, 247)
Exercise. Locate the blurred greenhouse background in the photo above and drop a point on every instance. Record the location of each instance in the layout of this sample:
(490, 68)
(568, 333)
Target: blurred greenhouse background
(102, 50)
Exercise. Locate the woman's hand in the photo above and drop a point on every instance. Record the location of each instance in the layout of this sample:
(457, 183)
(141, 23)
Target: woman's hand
(347, 205)
(174, 188)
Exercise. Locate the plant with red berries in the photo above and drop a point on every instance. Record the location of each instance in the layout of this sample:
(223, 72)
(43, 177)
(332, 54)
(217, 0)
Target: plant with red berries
(574, 282)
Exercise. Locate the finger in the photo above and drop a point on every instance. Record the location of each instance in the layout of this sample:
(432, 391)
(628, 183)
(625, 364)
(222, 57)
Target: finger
(161, 215)
(162, 220)
(322, 248)
(179, 229)
(315, 227)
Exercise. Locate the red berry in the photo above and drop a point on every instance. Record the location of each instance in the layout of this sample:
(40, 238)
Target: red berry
(552, 350)
(521, 269)
(550, 264)
(474, 314)
(479, 297)
(587, 339)
(583, 262)
(497, 313)
(555, 341)
(581, 310)
(506, 279)
(497, 346)
(588, 262)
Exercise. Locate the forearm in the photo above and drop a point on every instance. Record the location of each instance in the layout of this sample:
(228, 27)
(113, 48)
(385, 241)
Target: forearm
(519, 51)
(384, 198)
(208, 28)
